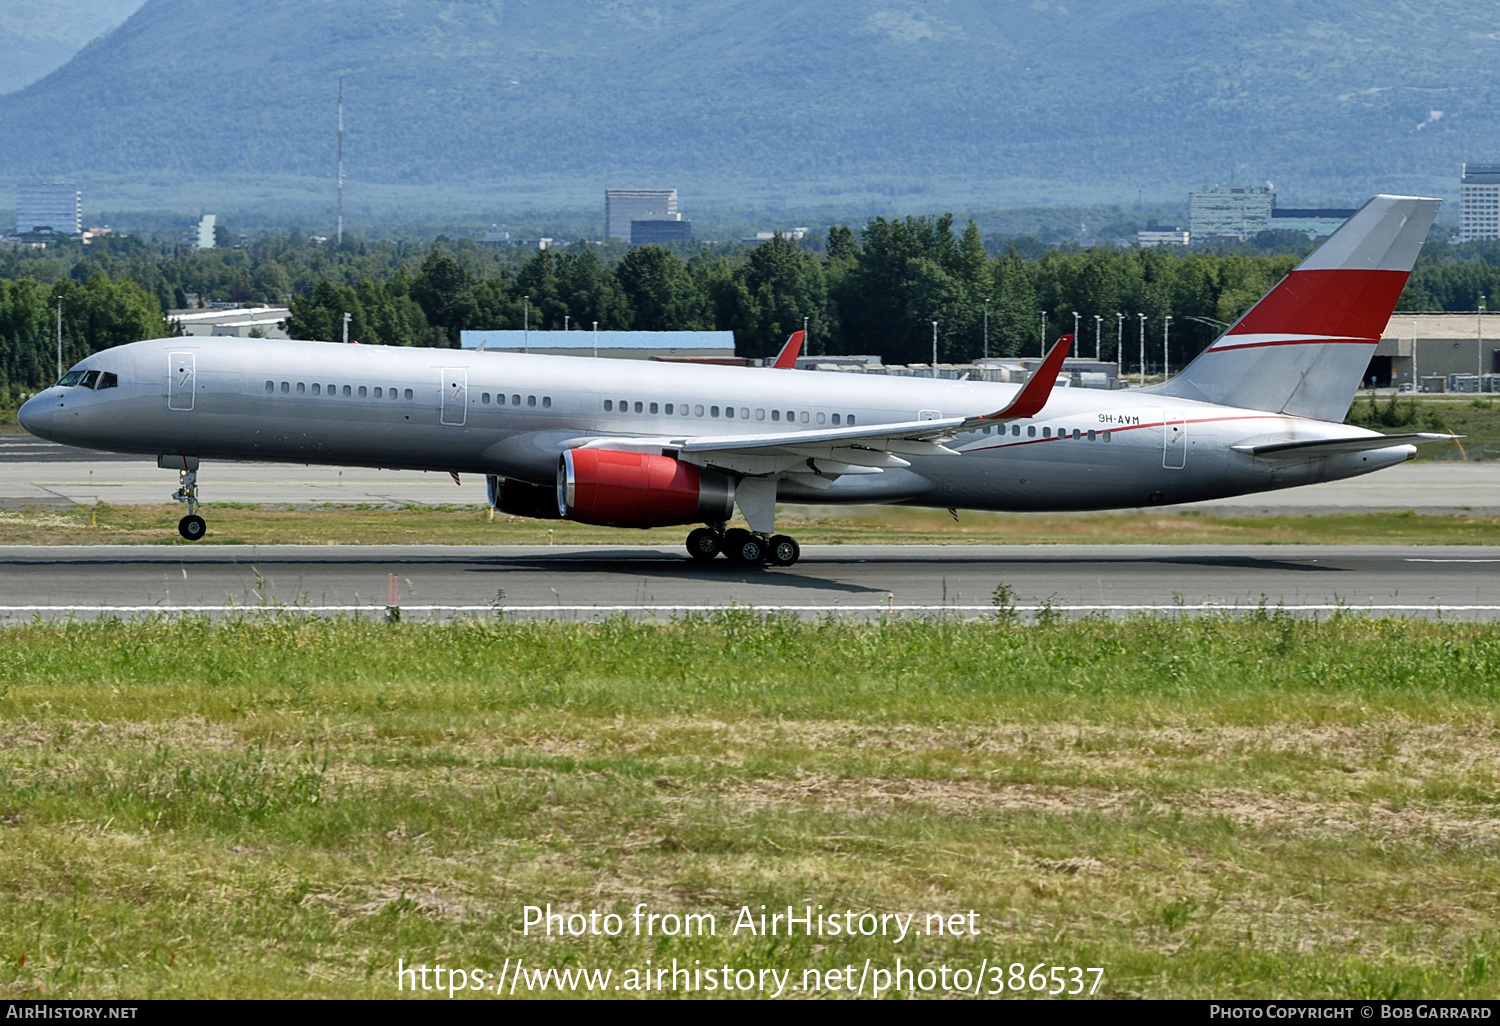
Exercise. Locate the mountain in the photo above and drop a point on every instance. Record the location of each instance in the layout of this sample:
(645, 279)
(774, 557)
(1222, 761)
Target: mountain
(914, 104)
(39, 36)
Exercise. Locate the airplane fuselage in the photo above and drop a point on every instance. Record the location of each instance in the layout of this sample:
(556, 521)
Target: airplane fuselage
(511, 415)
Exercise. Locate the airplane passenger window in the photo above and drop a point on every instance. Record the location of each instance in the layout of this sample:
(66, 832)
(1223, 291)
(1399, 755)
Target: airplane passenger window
(361, 391)
(110, 380)
(301, 388)
(347, 391)
(379, 392)
(835, 420)
(317, 388)
(775, 414)
(1075, 434)
(849, 420)
(284, 386)
(485, 398)
(1015, 429)
(653, 407)
(667, 409)
(698, 410)
(609, 405)
(515, 400)
(546, 402)
(1031, 431)
(1092, 434)
(821, 418)
(760, 414)
(1106, 436)
(791, 415)
(713, 411)
(638, 406)
(408, 393)
(729, 412)
(270, 386)
(804, 416)
(391, 393)
(531, 400)
(744, 413)
(684, 408)
(1046, 432)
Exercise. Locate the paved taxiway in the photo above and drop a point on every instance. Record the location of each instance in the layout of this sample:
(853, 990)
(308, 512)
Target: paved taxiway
(38, 473)
(571, 582)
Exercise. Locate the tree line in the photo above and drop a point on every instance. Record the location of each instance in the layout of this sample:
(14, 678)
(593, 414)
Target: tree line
(875, 290)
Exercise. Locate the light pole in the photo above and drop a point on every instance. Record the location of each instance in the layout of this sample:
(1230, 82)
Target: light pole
(347, 318)
(1044, 332)
(1166, 360)
(1098, 328)
(986, 329)
(1075, 334)
(1120, 339)
(596, 340)
(1143, 349)
(934, 349)
(526, 325)
(1479, 345)
(1416, 382)
(805, 347)
(59, 338)
(565, 322)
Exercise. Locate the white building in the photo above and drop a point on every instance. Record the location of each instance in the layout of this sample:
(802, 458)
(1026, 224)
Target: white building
(236, 321)
(1479, 202)
(1156, 235)
(56, 206)
(621, 206)
(1240, 211)
(206, 231)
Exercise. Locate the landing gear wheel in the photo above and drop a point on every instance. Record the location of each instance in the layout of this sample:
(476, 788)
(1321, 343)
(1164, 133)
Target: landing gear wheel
(192, 527)
(784, 551)
(745, 549)
(703, 544)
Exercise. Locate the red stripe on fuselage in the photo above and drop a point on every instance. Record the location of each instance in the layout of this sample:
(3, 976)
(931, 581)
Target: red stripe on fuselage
(1345, 303)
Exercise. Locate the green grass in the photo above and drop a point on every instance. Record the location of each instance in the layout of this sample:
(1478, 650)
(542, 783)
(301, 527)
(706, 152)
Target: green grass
(369, 525)
(1205, 807)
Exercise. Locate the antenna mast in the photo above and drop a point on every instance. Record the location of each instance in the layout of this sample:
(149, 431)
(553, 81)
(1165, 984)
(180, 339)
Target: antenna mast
(341, 160)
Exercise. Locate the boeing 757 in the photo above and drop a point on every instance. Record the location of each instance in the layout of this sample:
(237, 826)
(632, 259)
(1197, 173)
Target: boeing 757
(637, 444)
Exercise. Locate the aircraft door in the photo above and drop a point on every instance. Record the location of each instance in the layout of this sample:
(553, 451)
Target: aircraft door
(182, 380)
(1174, 442)
(455, 401)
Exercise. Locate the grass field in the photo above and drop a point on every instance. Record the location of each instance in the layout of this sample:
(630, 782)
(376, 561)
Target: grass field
(349, 525)
(1200, 807)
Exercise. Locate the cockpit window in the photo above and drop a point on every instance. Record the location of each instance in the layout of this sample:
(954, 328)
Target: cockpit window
(90, 379)
(108, 380)
(73, 377)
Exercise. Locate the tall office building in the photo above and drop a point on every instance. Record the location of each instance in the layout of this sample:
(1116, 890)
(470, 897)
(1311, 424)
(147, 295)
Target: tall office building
(621, 206)
(1479, 202)
(1230, 210)
(55, 206)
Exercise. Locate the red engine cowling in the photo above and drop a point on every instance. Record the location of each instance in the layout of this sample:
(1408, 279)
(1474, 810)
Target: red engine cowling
(638, 489)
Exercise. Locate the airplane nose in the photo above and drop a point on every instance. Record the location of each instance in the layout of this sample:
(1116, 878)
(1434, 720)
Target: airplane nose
(36, 414)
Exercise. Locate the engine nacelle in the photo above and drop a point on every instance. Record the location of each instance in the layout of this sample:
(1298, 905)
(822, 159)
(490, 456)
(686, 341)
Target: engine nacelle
(638, 489)
(521, 498)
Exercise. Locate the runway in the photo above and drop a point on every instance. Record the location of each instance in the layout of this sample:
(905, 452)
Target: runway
(591, 582)
(37, 473)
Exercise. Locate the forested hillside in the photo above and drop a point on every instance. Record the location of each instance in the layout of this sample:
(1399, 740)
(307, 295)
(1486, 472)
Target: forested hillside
(40, 36)
(875, 290)
(779, 103)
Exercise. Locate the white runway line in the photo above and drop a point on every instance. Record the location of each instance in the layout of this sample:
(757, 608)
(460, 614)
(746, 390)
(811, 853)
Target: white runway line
(1207, 607)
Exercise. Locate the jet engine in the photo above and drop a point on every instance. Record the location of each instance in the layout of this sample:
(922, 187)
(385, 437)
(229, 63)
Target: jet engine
(521, 498)
(637, 489)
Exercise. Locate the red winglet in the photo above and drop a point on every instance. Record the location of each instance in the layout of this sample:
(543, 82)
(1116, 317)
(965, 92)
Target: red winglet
(1034, 394)
(787, 358)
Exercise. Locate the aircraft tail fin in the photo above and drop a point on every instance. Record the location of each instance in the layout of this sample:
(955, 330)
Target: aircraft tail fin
(787, 358)
(1303, 349)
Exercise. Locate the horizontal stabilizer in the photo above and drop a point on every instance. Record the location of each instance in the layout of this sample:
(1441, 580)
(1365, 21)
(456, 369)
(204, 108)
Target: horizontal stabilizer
(1330, 446)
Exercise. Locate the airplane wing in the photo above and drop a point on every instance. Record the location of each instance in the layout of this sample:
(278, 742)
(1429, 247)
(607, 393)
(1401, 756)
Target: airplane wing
(827, 453)
(1330, 446)
(787, 358)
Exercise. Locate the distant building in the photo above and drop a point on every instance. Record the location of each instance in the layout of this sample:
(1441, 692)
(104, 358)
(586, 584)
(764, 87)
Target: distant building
(1222, 210)
(56, 207)
(206, 231)
(795, 234)
(618, 345)
(645, 233)
(1479, 202)
(1161, 235)
(233, 320)
(1314, 221)
(621, 206)
(1435, 346)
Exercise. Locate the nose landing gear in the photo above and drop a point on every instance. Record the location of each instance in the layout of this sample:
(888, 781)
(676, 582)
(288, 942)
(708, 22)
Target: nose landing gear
(742, 547)
(192, 527)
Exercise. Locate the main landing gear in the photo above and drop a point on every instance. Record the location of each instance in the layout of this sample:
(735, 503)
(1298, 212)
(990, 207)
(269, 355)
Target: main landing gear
(742, 547)
(192, 527)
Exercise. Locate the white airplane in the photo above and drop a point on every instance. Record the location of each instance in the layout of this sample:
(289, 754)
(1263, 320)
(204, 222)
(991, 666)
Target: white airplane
(637, 444)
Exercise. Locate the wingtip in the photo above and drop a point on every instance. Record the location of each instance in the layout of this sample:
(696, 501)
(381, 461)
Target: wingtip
(787, 358)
